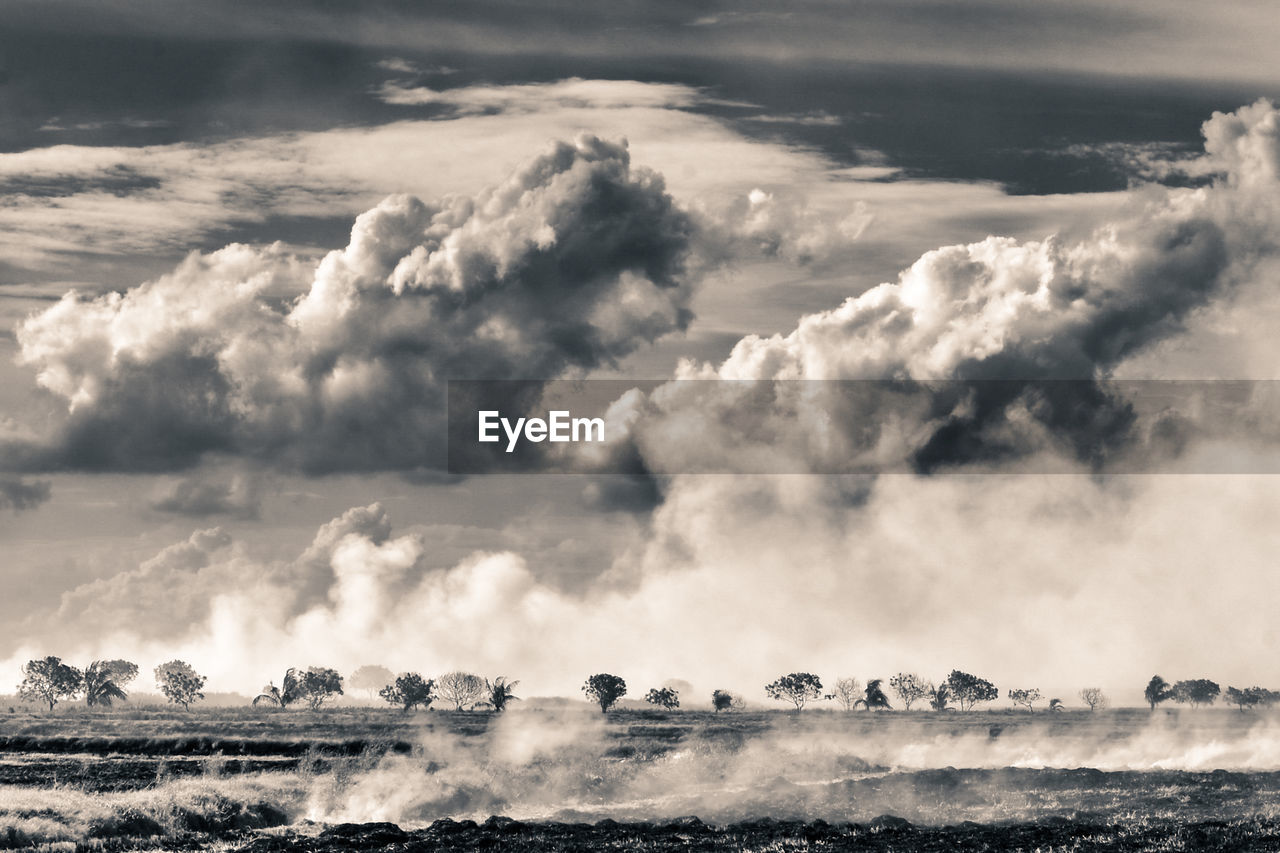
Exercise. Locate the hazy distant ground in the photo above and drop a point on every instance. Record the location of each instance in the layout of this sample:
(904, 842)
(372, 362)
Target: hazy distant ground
(266, 780)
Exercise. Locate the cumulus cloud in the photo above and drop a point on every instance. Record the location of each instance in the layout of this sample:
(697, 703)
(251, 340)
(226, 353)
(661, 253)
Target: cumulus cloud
(1028, 579)
(571, 263)
(1246, 144)
(990, 327)
(781, 224)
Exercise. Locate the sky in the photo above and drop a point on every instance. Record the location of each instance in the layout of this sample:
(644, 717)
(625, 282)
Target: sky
(244, 247)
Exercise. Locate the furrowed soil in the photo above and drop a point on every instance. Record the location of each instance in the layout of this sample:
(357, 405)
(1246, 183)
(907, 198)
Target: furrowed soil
(350, 778)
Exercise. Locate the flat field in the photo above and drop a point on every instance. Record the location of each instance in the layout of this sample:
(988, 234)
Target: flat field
(349, 778)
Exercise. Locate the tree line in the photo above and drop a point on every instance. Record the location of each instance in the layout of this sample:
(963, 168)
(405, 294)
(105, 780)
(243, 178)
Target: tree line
(965, 691)
(49, 680)
(1202, 691)
(102, 682)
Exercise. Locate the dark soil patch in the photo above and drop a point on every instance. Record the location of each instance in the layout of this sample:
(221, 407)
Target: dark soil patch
(886, 833)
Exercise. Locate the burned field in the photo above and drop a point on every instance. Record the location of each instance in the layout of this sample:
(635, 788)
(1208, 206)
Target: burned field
(360, 779)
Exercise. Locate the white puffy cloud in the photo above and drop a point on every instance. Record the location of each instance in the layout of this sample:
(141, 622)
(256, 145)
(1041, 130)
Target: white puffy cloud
(1246, 144)
(571, 263)
(781, 224)
(1064, 307)
(1032, 580)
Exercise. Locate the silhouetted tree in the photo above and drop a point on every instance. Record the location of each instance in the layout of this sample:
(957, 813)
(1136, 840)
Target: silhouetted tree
(604, 689)
(663, 697)
(49, 680)
(371, 678)
(123, 672)
(721, 700)
(101, 686)
(939, 697)
(180, 684)
(318, 684)
(968, 690)
(1093, 697)
(460, 688)
(501, 692)
(289, 691)
(873, 698)
(909, 687)
(409, 691)
(1197, 691)
(1251, 697)
(1158, 690)
(797, 688)
(1028, 697)
(1055, 706)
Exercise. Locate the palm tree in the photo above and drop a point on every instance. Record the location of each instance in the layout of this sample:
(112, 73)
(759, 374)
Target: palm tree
(939, 697)
(1055, 705)
(100, 687)
(283, 696)
(875, 697)
(500, 692)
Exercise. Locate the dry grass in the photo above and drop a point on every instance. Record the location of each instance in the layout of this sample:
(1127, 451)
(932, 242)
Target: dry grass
(31, 816)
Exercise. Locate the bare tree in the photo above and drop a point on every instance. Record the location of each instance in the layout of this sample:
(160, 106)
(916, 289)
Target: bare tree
(910, 688)
(460, 688)
(1094, 698)
(847, 692)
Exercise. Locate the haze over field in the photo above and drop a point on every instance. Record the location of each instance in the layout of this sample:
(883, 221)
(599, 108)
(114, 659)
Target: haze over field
(241, 253)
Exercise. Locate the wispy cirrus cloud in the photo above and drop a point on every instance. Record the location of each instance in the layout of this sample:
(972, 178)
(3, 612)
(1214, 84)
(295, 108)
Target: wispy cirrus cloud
(573, 92)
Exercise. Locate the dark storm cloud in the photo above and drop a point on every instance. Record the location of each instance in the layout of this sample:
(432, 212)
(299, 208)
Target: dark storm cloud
(1176, 38)
(825, 27)
(572, 263)
(134, 74)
